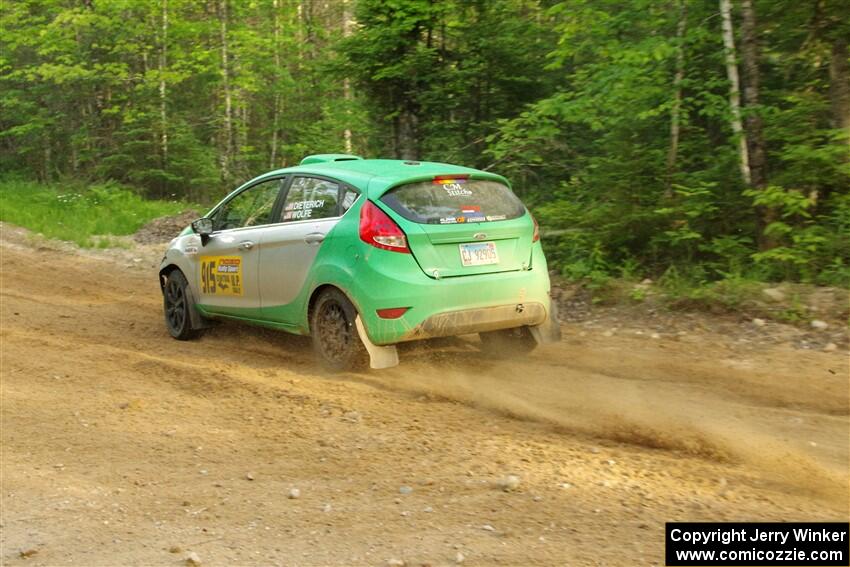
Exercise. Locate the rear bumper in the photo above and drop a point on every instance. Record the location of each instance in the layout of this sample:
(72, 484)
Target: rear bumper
(448, 306)
(466, 321)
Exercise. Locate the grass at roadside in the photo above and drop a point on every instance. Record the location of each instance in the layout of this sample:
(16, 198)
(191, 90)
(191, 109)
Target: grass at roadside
(84, 214)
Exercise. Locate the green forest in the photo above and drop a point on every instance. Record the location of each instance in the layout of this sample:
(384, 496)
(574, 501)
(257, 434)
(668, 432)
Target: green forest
(705, 140)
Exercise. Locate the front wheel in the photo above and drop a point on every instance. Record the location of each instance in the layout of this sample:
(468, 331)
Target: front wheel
(335, 337)
(176, 303)
(508, 342)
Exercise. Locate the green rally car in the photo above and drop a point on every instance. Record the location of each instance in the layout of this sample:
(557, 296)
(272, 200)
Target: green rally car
(363, 254)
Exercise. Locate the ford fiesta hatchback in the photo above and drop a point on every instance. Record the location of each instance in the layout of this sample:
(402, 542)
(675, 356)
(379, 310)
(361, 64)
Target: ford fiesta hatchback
(362, 254)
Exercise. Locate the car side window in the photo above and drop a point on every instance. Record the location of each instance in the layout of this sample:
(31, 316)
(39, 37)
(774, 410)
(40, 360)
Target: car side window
(251, 207)
(311, 198)
(349, 196)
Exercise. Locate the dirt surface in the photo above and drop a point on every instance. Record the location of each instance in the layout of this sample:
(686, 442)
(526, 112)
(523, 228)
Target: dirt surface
(121, 446)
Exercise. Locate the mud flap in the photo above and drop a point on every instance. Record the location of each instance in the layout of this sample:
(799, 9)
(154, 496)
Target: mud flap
(196, 320)
(379, 356)
(549, 331)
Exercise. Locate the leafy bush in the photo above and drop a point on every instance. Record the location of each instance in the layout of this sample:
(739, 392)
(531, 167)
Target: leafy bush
(810, 249)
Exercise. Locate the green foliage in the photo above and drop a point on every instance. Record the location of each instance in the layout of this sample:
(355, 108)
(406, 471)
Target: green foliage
(440, 75)
(136, 92)
(87, 215)
(574, 101)
(592, 157)
(691, 288)
(809, 251)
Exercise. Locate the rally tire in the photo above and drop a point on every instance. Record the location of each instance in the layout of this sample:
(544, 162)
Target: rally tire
(334, 332)
(176, 298)
(507, 343)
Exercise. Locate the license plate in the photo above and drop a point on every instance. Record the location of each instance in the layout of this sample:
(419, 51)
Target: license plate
(479, 254)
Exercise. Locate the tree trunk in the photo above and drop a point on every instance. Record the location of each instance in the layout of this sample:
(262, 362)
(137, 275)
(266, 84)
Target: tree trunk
(299, 36)
(408, 143)
(226, 154)
(243, 104)
(675, 111)
(408, 107)
(753, 123)
(300, 42)
(275, 130)
(346, 81)
(45, 177)
(276, 86)
(839, 87)
(734, 90)
(163, 116)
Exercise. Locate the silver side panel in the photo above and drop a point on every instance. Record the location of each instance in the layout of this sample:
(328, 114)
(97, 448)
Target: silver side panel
(287, 254)
(186, 252)
(244, 244)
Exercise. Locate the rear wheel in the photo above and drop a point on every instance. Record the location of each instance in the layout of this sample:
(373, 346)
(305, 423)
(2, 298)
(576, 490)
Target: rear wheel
(176, 305)
(335, 337)
(508, 342)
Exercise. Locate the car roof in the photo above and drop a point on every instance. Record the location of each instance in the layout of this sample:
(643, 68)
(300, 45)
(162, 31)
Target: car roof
(378, 175)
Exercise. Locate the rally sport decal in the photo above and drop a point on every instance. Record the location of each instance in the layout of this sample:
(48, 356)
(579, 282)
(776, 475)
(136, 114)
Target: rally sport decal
(221, 275)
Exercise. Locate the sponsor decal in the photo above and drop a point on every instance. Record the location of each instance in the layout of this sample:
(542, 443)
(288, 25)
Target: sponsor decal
(221, 275)
(496, 217)
(470, 209)
(448, 220)
(302, 214)
(191, 245)
(301, 209)
(454, 187)
(297, 205)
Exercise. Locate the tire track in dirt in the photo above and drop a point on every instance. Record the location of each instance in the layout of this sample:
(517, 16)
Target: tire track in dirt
(654, 403)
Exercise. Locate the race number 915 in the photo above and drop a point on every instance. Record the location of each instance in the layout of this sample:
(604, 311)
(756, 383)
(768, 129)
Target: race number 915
(208, 277)
(221, 275)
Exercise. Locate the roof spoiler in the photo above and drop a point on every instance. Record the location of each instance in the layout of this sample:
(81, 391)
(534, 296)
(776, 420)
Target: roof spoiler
(327, 158)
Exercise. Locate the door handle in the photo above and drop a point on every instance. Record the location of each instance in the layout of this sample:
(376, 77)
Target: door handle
(246, 245)
(314, 238)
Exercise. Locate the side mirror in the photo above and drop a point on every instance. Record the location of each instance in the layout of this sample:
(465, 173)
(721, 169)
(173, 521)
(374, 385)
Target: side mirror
(203, 227)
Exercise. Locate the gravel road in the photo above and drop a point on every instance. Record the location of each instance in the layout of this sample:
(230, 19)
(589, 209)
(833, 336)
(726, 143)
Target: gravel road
(121, 446)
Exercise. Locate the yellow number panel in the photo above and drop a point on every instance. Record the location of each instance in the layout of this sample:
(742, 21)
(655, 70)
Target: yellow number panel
(221, 275)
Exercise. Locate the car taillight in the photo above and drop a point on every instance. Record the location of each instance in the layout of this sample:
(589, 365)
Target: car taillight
(379, 230)
(536, 236)
(392, 312)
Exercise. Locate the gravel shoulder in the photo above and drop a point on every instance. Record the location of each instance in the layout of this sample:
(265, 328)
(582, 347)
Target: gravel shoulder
(123, 446)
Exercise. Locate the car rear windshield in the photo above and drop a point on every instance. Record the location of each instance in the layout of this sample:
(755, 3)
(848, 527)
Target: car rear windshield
(450, 201)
